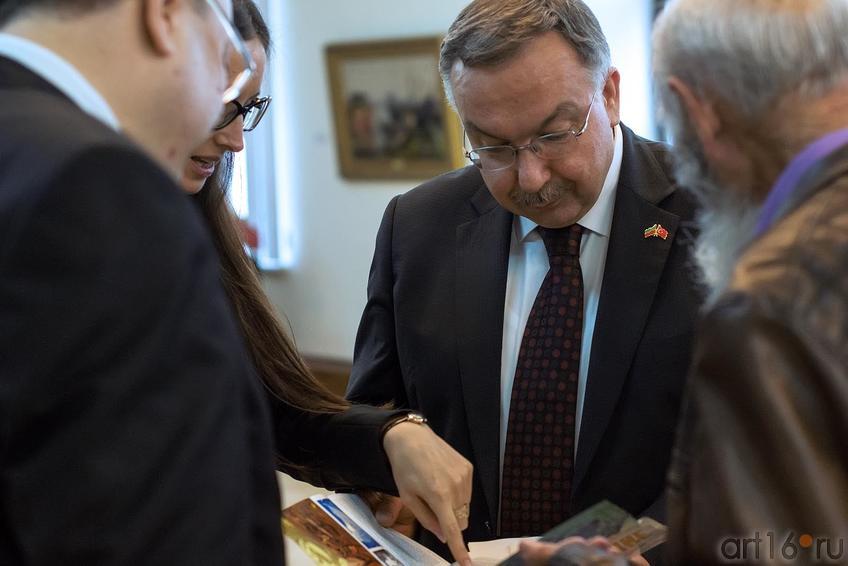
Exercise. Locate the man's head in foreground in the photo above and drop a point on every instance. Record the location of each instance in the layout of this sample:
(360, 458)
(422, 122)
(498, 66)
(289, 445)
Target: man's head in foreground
(161, 65)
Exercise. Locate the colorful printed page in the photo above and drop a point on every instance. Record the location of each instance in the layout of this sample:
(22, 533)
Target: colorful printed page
(339, 529)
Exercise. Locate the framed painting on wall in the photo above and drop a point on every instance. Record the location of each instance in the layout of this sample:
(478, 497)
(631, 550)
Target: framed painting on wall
(391, 116)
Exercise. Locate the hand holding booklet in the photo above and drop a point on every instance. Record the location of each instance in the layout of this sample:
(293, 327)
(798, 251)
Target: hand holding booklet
(340, 529)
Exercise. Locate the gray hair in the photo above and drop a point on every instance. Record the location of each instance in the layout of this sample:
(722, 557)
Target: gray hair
(489, 32)
(749, 53)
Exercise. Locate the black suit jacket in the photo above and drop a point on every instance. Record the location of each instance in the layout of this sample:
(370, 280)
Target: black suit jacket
(431, 334)
(132, 430)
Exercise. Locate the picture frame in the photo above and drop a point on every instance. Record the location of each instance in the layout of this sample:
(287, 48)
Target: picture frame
(392, 119)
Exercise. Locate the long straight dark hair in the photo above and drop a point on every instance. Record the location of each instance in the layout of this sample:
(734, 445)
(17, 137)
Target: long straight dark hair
(277, 361)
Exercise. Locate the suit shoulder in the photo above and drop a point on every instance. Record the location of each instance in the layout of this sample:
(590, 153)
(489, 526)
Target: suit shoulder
(443, 194)
(659, 150)
(62, 157)
(654, 161)
(44, 136)
(29, 114)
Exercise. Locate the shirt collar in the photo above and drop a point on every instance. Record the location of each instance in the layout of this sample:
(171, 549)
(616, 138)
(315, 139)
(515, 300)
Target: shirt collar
(599, 217)
(61, 74)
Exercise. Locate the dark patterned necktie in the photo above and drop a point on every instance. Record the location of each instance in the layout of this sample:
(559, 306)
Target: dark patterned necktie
(539, 454)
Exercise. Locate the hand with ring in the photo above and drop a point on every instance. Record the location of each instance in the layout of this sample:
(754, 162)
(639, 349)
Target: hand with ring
(434, 483)
(461, 513)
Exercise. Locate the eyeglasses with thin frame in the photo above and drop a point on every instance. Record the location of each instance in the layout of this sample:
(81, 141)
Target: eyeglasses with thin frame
(492, 158)
(234, 89)
(252, 113)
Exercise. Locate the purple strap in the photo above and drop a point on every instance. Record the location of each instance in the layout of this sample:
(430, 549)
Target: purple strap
(798, 167)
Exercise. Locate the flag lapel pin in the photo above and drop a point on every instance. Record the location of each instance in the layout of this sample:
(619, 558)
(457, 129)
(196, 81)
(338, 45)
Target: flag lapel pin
(656, 231)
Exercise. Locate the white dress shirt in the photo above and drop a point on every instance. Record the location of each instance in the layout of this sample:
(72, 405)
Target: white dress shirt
(61, 74)
(528, 265)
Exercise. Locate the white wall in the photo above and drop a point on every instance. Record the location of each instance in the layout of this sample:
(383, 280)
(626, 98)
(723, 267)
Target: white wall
(335, 220)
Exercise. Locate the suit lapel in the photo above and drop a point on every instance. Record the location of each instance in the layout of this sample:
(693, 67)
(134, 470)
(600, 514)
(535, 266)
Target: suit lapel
(481, 271)
(634, 265)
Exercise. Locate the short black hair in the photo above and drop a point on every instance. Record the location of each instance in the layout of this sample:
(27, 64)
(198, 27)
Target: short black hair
(13, 8)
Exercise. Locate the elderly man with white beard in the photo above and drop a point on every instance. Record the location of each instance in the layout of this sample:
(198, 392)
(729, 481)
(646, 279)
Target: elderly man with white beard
(755, 95)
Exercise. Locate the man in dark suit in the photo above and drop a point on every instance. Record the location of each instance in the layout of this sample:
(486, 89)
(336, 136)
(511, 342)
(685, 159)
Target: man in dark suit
(132, 430)
(537, 308)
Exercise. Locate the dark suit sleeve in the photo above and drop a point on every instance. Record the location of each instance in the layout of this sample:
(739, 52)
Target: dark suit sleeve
(377, 377)
(124, 398)
(757, 451)
(340, 451)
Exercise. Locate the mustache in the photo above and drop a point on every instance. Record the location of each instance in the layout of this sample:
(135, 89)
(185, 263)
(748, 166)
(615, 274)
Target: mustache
(549, 193)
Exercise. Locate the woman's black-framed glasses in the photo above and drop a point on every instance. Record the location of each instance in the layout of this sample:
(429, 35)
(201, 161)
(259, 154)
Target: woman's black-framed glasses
(252, 112)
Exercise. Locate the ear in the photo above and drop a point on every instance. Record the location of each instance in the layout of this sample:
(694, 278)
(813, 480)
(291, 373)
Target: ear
(729, 160)
(159, 18)
(611, 96)
(702, 114)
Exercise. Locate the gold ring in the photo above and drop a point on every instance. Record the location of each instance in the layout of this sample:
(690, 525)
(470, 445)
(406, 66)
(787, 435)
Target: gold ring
(461, 512)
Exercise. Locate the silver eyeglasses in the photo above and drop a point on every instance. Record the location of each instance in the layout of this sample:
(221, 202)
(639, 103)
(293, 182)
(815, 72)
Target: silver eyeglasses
(234, 89)
(549, 146)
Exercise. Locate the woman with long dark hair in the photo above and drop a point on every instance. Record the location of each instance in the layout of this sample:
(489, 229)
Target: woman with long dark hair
(320, 437)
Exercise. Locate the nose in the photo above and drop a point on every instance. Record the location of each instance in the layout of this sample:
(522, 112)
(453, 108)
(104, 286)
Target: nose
(231, 137)
(533, 171)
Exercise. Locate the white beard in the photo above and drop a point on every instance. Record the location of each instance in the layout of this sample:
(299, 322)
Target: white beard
(726, 227)
(726, 220)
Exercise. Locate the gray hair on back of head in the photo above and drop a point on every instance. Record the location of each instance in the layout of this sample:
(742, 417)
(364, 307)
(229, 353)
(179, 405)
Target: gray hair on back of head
(749, 53)
(489, 32)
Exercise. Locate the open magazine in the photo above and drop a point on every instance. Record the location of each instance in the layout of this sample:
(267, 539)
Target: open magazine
(341, 529)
